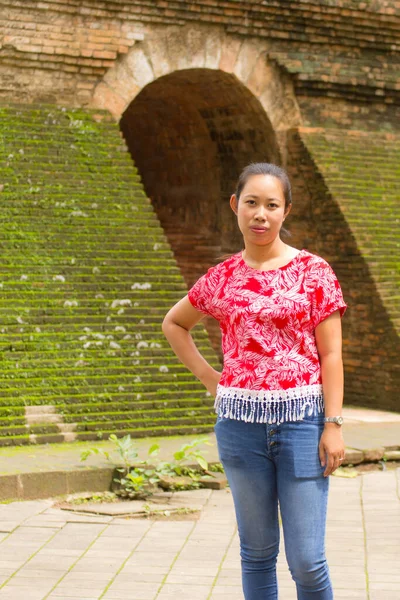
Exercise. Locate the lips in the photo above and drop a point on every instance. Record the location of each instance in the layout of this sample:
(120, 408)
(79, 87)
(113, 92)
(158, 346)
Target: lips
(259, 229)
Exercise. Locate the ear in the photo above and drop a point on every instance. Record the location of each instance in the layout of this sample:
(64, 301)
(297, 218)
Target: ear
(289, 208)
(233, 203)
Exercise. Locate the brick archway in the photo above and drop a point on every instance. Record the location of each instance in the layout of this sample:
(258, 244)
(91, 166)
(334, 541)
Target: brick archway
(190, 134)
(195, 106)
(176, 48)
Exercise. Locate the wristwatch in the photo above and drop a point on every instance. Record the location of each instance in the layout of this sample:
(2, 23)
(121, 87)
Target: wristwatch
(337, 420)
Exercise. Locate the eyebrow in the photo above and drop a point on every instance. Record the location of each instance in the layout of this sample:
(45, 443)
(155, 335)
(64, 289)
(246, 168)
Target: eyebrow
(255, 196)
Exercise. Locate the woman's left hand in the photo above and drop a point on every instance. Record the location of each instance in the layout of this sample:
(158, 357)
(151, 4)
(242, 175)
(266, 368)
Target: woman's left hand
(331, 448)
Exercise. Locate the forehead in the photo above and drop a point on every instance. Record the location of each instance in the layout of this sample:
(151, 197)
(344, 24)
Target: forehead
(263, 185)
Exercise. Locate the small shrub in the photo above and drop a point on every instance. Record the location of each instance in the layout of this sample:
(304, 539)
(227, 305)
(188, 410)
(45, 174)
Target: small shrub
(140, 478)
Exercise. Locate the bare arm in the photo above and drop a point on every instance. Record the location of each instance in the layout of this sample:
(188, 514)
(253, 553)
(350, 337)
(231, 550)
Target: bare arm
(328, 335)
(176, 327)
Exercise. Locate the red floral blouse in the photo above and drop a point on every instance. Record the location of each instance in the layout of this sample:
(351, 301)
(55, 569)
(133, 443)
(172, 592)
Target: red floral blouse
(268, 318)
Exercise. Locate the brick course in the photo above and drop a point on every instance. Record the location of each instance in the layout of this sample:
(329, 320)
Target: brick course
(348, 50)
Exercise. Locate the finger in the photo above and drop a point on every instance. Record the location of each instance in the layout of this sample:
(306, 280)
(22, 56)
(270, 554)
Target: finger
(329, 465)
(322, 455)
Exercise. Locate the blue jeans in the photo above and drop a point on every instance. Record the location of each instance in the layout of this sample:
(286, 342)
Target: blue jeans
(270, 463)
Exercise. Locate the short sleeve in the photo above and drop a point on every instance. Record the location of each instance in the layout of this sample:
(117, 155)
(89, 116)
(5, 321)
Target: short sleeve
(202, 293)
(326, 293)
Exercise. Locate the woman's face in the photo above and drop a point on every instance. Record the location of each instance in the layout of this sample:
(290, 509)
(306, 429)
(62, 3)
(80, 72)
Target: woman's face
(260, 209)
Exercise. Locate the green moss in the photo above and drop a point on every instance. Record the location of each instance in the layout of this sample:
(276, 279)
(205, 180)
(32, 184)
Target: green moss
(362, 172)
(78, 235)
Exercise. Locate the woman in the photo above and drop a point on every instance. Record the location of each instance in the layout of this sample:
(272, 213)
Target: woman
(279, 397)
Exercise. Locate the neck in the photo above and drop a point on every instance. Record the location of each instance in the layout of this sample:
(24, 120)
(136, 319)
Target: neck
(260, 254)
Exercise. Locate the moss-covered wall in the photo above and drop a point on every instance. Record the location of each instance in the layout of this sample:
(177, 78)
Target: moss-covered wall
(326, 75)
(86, 278)
(346, 209)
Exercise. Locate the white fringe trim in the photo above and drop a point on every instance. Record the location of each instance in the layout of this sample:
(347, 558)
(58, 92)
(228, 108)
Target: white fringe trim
(268, 406)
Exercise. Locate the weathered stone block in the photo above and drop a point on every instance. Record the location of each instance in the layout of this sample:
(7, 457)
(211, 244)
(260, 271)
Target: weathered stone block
(353, 457)
(392, 455)
(9, 487)
(93, 480)
(217, 481)
(43, 485)
(374, 454)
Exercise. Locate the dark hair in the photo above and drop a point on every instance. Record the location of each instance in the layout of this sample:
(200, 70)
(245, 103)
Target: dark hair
(265, 169)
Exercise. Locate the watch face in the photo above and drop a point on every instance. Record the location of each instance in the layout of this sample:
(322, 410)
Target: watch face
(340, 420)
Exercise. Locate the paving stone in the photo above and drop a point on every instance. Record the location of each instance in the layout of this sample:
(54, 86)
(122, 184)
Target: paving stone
(55, 597)
(63, 591)
(203, 549)
(8, 526)
(188, 579)
(10, 592)
(351, 594)
(222, 592)
(194, 592)
(44, 583)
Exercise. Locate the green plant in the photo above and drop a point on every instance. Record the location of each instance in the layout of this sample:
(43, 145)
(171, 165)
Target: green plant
(139, 477)
(216, 468)
(177, 467)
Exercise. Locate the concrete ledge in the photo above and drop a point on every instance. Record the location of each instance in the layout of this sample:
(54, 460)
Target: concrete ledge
(35, 486)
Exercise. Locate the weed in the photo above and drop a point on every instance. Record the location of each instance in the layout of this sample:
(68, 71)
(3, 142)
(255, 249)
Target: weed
(139, 478)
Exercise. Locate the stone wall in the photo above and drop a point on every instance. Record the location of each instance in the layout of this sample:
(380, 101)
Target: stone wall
(59, 51)
(346, 209)
(202, 88)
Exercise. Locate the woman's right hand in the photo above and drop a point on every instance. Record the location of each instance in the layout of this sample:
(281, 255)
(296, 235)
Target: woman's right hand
(211, 380)
(176, 327)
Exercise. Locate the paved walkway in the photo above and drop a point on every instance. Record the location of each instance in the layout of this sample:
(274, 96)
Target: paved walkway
(363, 429)
(31, 472)
(50, 554)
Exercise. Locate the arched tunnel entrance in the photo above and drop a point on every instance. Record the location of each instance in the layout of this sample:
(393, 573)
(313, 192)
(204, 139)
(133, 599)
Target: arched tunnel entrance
(190, 134)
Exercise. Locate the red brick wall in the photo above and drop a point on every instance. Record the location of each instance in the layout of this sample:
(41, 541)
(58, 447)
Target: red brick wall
(57, 51)
(370, 341)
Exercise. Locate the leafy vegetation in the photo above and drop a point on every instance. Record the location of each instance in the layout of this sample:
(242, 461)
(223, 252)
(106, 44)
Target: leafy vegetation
(140, 478)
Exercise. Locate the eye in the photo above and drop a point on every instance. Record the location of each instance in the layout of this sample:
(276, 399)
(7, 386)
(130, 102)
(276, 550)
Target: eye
(252, 202)
(273, 205)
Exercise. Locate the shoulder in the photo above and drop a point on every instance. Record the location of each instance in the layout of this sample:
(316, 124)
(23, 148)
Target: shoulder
(313, 264)
(226, 267)
(316, 270)
(313, 260)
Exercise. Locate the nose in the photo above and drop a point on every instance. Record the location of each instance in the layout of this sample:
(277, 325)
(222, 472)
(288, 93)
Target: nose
(261, 214)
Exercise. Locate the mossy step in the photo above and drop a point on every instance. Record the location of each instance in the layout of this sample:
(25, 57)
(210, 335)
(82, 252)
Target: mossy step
(109, 370)
(12, 411)
(64, 358)
(140, 432)
(144, 422)
(24, 440)
(169, 291)
(149, 431)
(73, 411)
(49, 351)
(16, 341)
(16, 430)
(43, 394)
(168, 414)
(145, 377)
(10, 421)
(77, 164)
(84, 398)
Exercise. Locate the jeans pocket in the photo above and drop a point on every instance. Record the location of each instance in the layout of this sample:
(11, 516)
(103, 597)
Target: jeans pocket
(304, 449)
